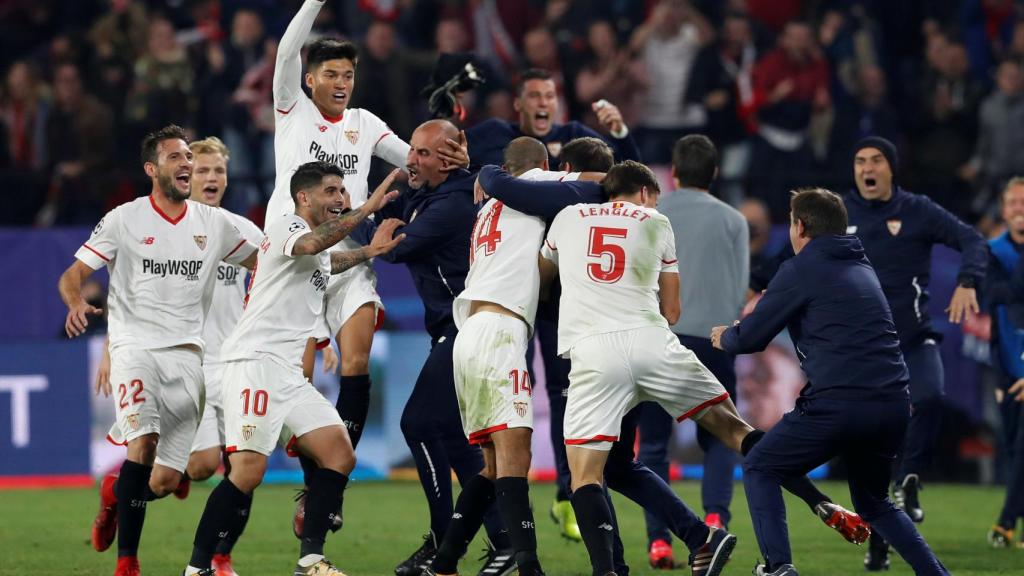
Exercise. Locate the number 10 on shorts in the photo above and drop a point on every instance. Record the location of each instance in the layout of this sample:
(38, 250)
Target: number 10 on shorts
(256, 400)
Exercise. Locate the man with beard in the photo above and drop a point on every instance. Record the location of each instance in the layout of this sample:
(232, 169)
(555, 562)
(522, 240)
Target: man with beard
(166, 250)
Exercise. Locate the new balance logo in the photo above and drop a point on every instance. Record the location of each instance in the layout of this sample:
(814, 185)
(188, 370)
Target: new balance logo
(321, 127)
(148, 240)
(606, 526)
(456, 516)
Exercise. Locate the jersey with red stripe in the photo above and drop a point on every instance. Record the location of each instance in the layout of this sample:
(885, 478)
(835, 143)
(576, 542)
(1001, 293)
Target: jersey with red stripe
(503, 257)
(303, 135)
(286, 298)
(228, 294)
(162, 271)
(609, 257)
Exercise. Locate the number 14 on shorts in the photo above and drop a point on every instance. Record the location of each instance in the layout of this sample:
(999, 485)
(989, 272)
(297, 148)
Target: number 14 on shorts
(520, 381)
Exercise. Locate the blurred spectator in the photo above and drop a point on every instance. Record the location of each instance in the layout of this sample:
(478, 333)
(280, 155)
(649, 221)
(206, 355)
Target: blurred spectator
(849, 40)
(451, 37)
(946, 125)
(1015, 50)
(667, 44)
(540, 51)
(23, 115)
(760, 224)
(869, 115)
(500, 105)
(999, 152)
(607, 74)
(388, 77)
(723, 82)
(162, 92)
(790, 85)
(78, 143)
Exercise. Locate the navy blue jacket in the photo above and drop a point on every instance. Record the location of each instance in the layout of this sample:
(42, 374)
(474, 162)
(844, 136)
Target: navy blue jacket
(898, 236)
(439, 223)
(544, 199)
(1004, 301)
(487, 141)
(831, 301)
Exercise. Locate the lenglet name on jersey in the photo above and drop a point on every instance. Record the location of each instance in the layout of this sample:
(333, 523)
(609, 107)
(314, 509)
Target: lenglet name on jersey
(615, 210)
(347, 162)
(187, 268)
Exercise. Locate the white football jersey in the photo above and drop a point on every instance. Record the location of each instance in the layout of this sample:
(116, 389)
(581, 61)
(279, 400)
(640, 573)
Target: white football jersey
(286, 298)
(162, 271)
(304, 135)
(503, 257)
(609, 257)
(228, 294)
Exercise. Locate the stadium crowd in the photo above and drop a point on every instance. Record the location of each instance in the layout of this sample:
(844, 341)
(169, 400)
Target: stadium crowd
(783, 88)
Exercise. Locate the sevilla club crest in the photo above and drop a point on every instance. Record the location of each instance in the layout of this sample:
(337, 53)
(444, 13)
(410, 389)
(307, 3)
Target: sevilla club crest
(894, 226)
(247, 432)
(352, 135)
(200, 241)
(554, 148)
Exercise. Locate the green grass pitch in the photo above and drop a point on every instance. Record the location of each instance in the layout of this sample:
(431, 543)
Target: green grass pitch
(45, 532)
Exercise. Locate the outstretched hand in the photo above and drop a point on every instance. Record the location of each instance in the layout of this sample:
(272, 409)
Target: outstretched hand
(381, 196)
(76, 321)
(384, 239)
(964, 300)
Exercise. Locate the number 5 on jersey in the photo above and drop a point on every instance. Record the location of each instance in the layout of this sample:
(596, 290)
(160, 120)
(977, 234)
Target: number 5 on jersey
(611, 264)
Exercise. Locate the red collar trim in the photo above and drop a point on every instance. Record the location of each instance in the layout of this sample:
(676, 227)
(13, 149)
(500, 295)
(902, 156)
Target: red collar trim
(164, 214)
(332, 119)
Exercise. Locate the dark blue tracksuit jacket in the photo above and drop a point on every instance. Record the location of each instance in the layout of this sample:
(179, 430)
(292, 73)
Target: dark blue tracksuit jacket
(439, 223)
(487, 141)
(898, 236)
(831, 301)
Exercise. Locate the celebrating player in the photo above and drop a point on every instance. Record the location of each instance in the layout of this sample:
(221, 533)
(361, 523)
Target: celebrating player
(440, 211)
(166, 250)
(855, 403)
(266, 396)
(324, 128)
(495, 316)
(537, 105)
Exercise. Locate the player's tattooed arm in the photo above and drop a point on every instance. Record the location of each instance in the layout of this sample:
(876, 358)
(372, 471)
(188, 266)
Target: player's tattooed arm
(70, 287)
(334, 230)
(384, 240)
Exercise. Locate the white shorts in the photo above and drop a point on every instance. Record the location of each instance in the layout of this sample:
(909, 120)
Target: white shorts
(613, 372)
(211, 427)
(491, 380)
(267, 402)
(158, 392)
(347, 291)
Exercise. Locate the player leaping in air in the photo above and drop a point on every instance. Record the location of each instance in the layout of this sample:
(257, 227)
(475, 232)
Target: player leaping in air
(322, 127)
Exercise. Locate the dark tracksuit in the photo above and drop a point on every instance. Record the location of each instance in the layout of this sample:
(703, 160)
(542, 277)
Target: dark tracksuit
(436, 251)
(487, 142)
(898, 236)
(1004, 301)
(855, 403)
(622, 473)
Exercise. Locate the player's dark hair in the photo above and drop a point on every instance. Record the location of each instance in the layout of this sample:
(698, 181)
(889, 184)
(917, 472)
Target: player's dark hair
(153, 139)
(822, 211)
(694, 159)
(531, 74)
(627, 178)
(587, 154)
(324, 49)
(312, 174)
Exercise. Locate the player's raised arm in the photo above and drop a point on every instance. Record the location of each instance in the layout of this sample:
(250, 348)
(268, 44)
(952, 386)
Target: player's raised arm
(384, 240)
(288, 68)
(319, 194)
